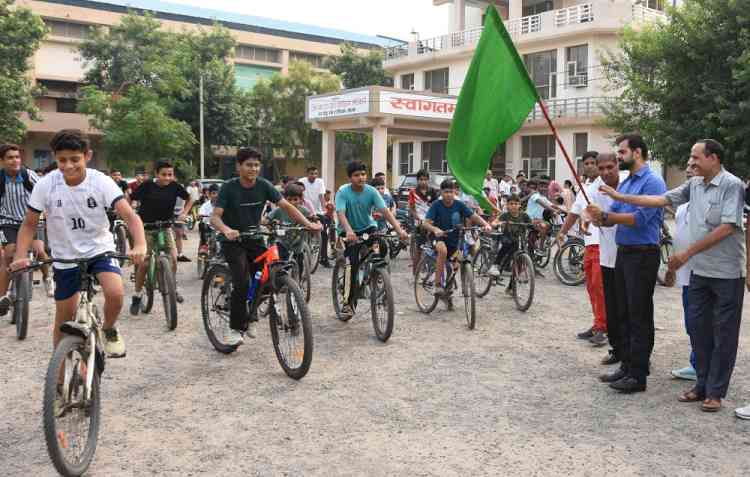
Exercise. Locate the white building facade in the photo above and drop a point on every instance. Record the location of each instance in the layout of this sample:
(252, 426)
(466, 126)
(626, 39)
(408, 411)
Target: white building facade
(560, 41)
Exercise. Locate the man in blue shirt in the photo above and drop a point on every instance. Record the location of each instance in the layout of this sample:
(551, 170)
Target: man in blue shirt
(444, 215)
(354, 204)
(637, 239)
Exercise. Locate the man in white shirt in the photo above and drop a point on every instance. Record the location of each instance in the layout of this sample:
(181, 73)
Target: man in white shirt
(492, 183)
(74, 199)
(315, 190)
(505, 185)
(195, 192)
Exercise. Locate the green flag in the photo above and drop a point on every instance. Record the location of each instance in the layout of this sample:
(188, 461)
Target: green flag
(495, 100)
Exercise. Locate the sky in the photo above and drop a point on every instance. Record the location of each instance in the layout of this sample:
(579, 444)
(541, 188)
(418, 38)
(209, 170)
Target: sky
(394, 18)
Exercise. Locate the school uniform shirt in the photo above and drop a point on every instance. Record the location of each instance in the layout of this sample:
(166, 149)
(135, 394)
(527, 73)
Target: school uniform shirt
(77, 223)
(13, 203)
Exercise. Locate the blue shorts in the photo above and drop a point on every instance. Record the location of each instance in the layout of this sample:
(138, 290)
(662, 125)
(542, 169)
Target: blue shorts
(68, 280)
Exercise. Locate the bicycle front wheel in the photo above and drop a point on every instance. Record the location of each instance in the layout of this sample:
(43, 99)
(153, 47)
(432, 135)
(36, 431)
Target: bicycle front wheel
(568, 264)
(304, 268)
(482, 280)
(424, 284)
(467, 289)
(168, 289)
(22, 285)
(216, 299)
(522, 281)
(315, 242)
(291, 330)
(71, 420)
(381, 298)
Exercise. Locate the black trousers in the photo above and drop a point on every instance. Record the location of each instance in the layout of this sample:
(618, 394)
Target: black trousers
(715, 312)
(615, 319)
(325, 221)
(353, 253)
(241, 259)
(508, 246)
(635, 279)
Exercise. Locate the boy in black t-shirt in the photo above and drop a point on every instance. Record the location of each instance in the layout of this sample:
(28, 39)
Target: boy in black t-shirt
(240, 206)
(511, 232)
(157, 199)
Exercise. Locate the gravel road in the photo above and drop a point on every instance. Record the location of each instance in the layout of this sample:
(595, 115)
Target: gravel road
(516, 396)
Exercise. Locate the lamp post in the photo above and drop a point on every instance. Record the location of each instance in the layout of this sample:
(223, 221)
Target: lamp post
(203, 151)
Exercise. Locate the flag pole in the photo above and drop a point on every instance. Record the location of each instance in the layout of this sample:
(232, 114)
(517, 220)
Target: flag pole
(562, 147)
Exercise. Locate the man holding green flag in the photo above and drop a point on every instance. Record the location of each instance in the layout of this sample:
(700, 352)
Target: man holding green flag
(495, 100)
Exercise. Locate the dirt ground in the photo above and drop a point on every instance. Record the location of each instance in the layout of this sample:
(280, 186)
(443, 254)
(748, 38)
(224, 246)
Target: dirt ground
(516, 396)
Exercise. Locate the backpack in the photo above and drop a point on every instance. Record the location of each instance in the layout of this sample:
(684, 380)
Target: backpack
(24, 176)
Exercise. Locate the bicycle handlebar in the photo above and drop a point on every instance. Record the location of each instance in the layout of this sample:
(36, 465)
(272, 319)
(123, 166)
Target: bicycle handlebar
(159, 224)
(78, 261)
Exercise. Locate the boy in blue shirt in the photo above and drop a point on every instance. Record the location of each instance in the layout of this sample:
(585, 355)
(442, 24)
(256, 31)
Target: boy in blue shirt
(446, 214)
(354, 204)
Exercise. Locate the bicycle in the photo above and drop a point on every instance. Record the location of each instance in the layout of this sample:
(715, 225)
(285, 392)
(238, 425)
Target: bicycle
(74, 404)
(120, 233)
(568, 262)
(541, 250)
(372, 281)
(20, 291)
(424, 277)
(192, 217)
(208, 253)
(666, 250)
(301, 257)
(159, 275)
(520, 264)
(278, 297)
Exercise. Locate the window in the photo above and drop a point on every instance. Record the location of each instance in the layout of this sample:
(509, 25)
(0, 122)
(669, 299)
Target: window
(542, 68)
(42, 158)
(436, 81)
(315, 60)
(577, 64)
(256, 53)
(67, 29)
(67, 105)
(405, 158)
(655, 4)
(407, 81)
(538, 8)
(581, 145)
(538, 155)
(433, 155)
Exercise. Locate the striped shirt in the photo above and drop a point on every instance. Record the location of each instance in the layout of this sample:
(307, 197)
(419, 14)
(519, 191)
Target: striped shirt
(16, 198)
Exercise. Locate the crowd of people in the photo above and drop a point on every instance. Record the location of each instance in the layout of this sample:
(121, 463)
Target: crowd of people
(618, 212)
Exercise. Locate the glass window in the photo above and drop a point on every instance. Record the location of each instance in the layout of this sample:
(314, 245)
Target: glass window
(655, 4)
(42, 158)
(67, 105)
(539, 151)
(67, 29)
(577, 63)
(538, 8)
(407, 81)
(433, 154)
(405, 158)
(436, 81)
(256, 53)
(542, 68)
(315, 60)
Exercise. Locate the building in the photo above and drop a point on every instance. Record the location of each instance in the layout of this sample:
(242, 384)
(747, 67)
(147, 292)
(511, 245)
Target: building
(560, 41)
(265, 47)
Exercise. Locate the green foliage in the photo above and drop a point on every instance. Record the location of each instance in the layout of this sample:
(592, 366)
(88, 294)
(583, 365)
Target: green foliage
(22, 32)
(686, 80)
(357, 70)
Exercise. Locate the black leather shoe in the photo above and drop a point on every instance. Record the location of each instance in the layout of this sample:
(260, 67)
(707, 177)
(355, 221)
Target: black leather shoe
(612, 377)
(611, 358)
(628, 385)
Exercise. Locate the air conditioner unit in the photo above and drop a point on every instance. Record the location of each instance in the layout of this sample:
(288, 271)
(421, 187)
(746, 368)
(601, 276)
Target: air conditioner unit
(578, 81)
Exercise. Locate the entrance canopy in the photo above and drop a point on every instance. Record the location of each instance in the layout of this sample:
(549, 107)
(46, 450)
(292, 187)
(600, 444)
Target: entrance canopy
(383, 112)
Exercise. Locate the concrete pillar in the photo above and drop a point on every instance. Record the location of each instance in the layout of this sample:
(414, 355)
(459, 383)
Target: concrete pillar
(379, 150)
(395, 167)
(328, 159)
(515, 9)
(284, 62)
(460, 14)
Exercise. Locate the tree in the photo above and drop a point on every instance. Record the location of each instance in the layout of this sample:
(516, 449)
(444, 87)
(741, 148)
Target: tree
(22, 33)
(357, 70)
(686, 79)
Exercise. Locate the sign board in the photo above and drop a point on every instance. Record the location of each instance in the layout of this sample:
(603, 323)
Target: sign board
(347, 104)
(417, 105)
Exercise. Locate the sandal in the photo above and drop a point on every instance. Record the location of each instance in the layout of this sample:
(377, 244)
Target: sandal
(690, 396)
(711, 405)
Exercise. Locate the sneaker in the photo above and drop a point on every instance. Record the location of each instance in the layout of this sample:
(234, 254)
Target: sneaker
(611, 358)
(687, 373)
(135, 305)
(586, 335)
(49, 287)
(4, 304)
(114, 345)
(182, 258)
(252, 329)
(743, 412)
(599, 339)
(233, 337)
(493, 271)
(179, 297)
(347, 311)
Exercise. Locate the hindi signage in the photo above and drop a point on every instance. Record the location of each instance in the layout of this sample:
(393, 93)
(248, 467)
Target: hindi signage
(347, 104)
(407, 104)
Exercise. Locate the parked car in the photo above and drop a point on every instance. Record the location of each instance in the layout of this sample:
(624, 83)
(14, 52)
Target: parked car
(409, 182)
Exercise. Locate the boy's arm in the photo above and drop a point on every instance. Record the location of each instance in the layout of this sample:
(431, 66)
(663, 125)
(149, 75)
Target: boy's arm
(392, 220)
(350, 235)
(26, 235)
(297, 216)
(135, 227)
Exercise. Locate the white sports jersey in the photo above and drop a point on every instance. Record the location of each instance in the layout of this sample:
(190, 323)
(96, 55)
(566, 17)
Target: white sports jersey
(77, 223)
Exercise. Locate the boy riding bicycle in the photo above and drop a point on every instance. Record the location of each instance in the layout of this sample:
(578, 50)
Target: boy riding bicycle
(354, 204)
(294, 194)
(239, 207)
(445, 214)
(74, 199)
(204, 215)
(157, 200)
(509, 241)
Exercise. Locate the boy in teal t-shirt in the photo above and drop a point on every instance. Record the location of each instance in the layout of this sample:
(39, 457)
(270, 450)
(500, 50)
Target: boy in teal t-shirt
(354, 206)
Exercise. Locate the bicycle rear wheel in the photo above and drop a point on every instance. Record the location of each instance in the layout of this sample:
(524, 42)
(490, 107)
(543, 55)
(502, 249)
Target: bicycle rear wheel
(467, 289)
(291, 330)
(381, 298)
(314, 244)
(216, 296)
(168, 289)
(71, 422)
(481, 264)
(424, 285)
(568, 264)
(303, 272)
(522, 281)
(22, 285)
(121, 242)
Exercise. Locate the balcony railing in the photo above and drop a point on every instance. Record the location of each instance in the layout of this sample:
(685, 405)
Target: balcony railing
(644, 14)
(570, 108)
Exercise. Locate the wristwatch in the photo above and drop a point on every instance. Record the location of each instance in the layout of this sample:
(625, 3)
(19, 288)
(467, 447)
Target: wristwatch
(605, 217)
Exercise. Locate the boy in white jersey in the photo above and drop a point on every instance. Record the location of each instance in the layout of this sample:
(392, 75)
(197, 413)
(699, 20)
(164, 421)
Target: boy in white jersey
(74, 198)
